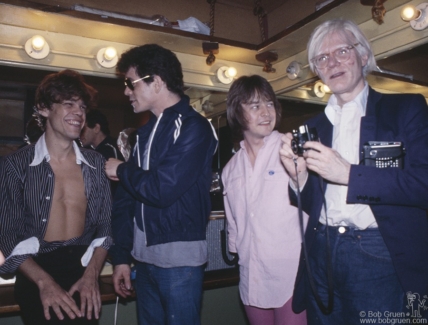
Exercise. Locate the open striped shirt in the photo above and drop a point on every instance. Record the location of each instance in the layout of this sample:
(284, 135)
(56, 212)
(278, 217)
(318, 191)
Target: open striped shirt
(26, 187)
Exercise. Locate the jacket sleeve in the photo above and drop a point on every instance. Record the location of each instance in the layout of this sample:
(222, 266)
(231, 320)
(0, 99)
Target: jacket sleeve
(122, 227)
(394, 186)
(179, 169)
(310, 195)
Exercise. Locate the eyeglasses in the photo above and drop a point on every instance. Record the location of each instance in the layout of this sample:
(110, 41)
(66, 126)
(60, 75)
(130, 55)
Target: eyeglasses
(341, 55)
(130, 84)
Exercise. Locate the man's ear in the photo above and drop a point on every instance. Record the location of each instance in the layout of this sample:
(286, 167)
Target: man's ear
(43, 111)
(364, 60)
(316, 72)
(158, 83)
(97, 128)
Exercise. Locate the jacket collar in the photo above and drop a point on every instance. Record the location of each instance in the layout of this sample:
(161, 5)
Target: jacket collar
(368, 127)
(372, 101)
(181, 107)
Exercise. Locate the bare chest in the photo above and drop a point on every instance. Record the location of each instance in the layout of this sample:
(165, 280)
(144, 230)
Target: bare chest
(68, 210)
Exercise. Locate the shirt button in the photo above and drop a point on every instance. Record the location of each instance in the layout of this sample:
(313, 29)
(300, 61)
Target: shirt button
(48, 198)
(43, 220)
(49, 175)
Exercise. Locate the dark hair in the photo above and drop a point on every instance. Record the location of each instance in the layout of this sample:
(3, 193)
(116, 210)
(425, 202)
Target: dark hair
(60, 86)
(32, 131)
(93, 117)
(242, 91)
(152, 59)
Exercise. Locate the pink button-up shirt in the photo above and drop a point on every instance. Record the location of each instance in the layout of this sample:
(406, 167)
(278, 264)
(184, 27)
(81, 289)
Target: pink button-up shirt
(263, 227)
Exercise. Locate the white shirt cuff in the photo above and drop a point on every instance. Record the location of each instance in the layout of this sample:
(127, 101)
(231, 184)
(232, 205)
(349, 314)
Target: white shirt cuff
(29, 246)
(90, 251)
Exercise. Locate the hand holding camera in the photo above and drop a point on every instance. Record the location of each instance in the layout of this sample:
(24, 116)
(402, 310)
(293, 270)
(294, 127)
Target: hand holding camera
(313, 155)
(301, 136)
(289, 160)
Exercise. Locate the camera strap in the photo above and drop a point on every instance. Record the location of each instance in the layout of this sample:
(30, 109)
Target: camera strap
(330, 289)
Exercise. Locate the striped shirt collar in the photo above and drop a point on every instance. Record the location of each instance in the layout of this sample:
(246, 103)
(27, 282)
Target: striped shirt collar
(41, 152)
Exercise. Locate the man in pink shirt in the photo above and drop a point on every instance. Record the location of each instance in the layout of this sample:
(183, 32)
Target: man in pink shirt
(263, 226)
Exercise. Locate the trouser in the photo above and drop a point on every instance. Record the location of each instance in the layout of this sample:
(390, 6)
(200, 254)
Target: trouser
(366, 286)
(65, 267)
(170, 296)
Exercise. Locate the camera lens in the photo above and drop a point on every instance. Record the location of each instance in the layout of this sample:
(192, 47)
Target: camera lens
(294, 146)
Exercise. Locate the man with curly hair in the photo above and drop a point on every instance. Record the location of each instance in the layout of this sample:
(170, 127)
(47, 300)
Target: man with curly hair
(55, 211)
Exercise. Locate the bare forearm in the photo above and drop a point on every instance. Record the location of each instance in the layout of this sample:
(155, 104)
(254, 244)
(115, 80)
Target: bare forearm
(97, 262)
(34, 272)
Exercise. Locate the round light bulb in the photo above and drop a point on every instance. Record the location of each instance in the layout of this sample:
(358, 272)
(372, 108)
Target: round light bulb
(319, 89)
(37, 43)
(409, 13)
(230, 72)
(110, 53)
(326, 88)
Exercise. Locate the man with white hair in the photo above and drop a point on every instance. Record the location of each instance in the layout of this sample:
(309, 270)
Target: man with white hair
(368, 230)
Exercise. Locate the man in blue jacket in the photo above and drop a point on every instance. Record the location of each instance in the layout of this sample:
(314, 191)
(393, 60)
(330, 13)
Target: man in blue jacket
(375, 217)
(162, 205)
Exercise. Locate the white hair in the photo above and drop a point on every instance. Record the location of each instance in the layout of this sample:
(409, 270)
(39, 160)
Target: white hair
(350, 32)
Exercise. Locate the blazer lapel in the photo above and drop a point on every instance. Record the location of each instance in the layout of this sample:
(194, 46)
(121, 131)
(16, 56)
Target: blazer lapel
(325, 130)
(368, 122)
(325, 135)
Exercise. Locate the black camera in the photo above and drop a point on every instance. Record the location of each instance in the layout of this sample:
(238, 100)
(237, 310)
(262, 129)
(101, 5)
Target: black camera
(300, 136)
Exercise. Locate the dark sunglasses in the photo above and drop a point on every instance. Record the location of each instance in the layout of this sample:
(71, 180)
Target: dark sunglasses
(130, 84)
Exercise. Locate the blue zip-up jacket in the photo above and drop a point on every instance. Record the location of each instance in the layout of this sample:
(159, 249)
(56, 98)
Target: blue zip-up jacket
(170, 200)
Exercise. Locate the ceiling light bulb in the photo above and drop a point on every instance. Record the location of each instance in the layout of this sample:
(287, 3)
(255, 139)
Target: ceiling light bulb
(409, 13)
(326, 88)
(110, 53)
(37, 42)
(416, 16)
(107, 57)
(231, 72)
(294, 70)
(318, 89)
(36, 47)
(226, 74)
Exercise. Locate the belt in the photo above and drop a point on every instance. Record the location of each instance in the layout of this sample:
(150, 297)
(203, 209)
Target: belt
(344, 229)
